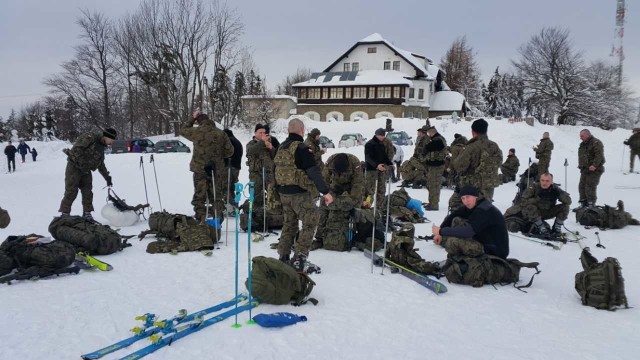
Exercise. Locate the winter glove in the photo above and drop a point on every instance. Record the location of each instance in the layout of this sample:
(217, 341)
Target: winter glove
(415, 204)
(626, 142)
(109, 182)
(210, 168)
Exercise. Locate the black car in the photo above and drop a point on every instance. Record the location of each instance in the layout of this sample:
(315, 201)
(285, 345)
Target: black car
(325, 142)
(400, 138)
(164, 146)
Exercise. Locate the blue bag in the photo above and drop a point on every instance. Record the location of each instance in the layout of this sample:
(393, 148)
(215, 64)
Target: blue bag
(215, 223)
(415, 204)
(279, 319)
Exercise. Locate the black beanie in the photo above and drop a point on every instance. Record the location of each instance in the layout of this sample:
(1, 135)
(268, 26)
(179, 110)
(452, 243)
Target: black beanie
(258, 127)
(512, 150)
(469, 190)
(110, 133)
(480, 126)
(341, 163)
(456, 136)
(228, 132)
(380, 132)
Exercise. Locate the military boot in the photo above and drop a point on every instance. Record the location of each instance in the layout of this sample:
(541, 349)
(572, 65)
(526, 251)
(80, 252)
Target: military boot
(285, 259)
(539, 228)
(87, 216)
(557, 227)
(301, 264)
(582, 203)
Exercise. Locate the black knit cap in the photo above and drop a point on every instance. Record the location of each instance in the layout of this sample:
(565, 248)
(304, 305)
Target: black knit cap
(258, 127)
(380, 132)
(512, 150)
(111, 133)
(480, 126)
(456, 135)
(341, 163)
(469, 190)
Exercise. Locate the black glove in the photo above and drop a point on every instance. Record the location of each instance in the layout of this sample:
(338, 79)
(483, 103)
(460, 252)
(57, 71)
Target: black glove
(626, 142)
(109, 182)
(210, 168)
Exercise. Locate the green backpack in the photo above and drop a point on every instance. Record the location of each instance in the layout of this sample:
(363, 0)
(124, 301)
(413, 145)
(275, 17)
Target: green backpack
(178, 233)
(87, 236)
(606, 217)
(600, 285)
(27, 252)
(275, 282)
(486, 269)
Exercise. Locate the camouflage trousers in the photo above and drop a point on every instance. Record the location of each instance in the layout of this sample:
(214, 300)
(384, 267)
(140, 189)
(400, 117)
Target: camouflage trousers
(74, 180)
(413, 170)
(531, 212)
(259, 190)
(434, 183)
(633, 158)
(203, 190)
(461, 246)
(370, 188)
(588, 186)
(506, 177)
(543, 165)
(298, 207)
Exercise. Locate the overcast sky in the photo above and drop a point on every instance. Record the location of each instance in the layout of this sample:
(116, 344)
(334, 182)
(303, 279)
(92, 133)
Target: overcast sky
(37, 35)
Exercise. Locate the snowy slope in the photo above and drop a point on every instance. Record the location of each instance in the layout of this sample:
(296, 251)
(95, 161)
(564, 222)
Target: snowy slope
(360, 315)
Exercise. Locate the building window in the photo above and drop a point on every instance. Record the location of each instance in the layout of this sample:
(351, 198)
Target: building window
(396, 65)
(372, 50)
(347, 93)
(325, 93)
(419, 114)
(347, 67)
(336, 93)
(421, 94)
(410, 115)
(302, 93)
(313, 93)
(372, 92)
(396, 92)
(387, 65)
(359, 92)
(412, 93)
(355, 66)
(384, 92)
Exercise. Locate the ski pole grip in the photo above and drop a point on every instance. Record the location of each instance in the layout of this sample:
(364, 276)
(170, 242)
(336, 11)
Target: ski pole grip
(566, 162)
(251, 190)
(238, 192)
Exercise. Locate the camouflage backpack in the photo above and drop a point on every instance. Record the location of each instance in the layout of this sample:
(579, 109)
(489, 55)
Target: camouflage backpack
(401, 250)
(336, 231)
(275, 218)
(600, 285)
(275, 282)
(286, 171)
(606, 217)
(490, 161)
(87, 236)
(178, 233)
(29, 251)
(363, 226)
(486, 269)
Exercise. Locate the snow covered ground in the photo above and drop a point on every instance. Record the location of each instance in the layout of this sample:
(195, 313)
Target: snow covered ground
(360, 315)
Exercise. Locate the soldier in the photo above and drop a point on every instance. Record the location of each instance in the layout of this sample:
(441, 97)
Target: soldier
(234, 163)
(260, 153)
(10, 151)
(456, 148)
(543, 153)
(591, 164)
(377, 161)
(298, 180)
(313, 142)
(421, 140)
(634, 147)
(86, 155)
(478, 164)
(434, 154)
(540, 202)
(343, 175)
(510, 167)
(274, 140)
(211, 146)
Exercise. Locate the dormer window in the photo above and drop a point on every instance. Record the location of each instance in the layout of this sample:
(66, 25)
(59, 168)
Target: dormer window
(387, 65)
(372, 50)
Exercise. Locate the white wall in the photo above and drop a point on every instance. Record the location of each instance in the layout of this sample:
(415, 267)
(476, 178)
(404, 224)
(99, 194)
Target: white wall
(374, 61)
(418, 84)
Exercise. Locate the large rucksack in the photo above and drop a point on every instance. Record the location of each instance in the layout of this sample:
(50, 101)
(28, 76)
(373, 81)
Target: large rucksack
(401, 250)
(275, 282)
(486, 269)
(178, 233)
(275, 218)
(606, 216)
(363, 226)
(87, 236)
(29, 251)
(601, 284)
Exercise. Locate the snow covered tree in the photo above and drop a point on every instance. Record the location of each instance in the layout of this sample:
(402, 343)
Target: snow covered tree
(286, 85)
(493, 96)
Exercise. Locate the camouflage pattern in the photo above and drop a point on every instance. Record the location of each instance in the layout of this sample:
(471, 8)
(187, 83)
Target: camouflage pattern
(462, 247)
(210, 147)
(287, 173)
(591, 152)
(74, 180)
(539, 203)
(434, 184)
(258, 156)
(510, 168)
(298, 207)
(389, 148)
(370, 189)
(203, 193)
(193, 237)
(421, 141)
(543, 154)
(634, 148)
(401, 250)
(5, 219)
(85, 235)
(316, 149)
(27, 252)
(478, 165)
(413, 170)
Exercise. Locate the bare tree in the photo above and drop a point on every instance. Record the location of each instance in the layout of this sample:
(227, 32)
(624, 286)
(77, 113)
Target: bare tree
(462, 72)
(286, 85)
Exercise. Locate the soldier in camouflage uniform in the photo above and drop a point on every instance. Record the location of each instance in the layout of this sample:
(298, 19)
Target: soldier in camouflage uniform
(510, 167)
(233, 164)
(313, 142)
(211, 146)
(543, 153)
(414, 172)
(434, 154)
(298, 180)
(634, 147)
(376, 155)
(5, 219)
(343, 175)
(480, 161)
(591, 165)
(540, 202)
(455, 149)
(86, 155)
(260, 153)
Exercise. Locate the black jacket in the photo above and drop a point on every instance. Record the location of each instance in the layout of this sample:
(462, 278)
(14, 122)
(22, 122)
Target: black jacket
(23, 148)
(437, 143)
(10, 151)
(375, 154)
(485, 224)
(238, 150)
(304, 161)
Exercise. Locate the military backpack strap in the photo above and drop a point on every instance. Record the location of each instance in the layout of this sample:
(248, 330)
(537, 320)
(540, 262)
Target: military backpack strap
(307, 286)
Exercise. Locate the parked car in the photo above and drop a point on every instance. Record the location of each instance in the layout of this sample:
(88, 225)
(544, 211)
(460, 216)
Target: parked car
(353, 139)
(400, 138)
(119, 146)
(164, 146)
(325, 142)
(145, 145)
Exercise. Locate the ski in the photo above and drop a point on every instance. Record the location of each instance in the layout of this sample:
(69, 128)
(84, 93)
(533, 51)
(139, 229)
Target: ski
(431, 284)
(549, 243)
(92, 262)
(39, 274)
(152, 327)
(199, 324)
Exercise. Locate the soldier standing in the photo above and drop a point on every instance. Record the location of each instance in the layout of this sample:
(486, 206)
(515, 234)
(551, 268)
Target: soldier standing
(510, 167)
(298, 180)
(634, 147)
(260, 153)
(377, 161)
(234, 163)
(211, 146)
(543, 153)
(591, 164)
(86, 155)
(434, 154)
(313, 142)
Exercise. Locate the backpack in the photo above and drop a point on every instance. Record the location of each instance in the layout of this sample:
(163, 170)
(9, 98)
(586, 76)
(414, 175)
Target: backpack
(275, 282)
(87, 236)
(605, 216)
(486, 269)
(275, 218)
(363, 226)
(336, 230)
(401, 250)
(490, 161)
(178, 233)
(600, 285)
(28, 251)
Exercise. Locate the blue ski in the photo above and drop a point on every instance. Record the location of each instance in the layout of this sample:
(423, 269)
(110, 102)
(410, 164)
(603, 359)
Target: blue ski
(188, 330)
(154, 327)
(431, 284)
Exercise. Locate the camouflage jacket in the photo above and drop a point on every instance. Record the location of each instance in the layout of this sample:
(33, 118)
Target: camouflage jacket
(457, 147)
(349, 183)
(545, 199)
(317, 151)
(389, 149)
(634, 142)
(511, 165)
(479, 163)
(420, 143)
(87, 153)
(543, 150)
(210, 145)
(258, 156)
(591, 152)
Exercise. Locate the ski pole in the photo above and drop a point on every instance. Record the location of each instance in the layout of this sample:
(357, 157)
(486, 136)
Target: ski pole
(156, 176)
(251, 197)
(599, 244)
(529, 172)
(566, 184)
(215, 208)
(386, 228)
(373, 231)
(226, 230)
(622, 160)
(144, 178)
(238, 194)
(264, 206)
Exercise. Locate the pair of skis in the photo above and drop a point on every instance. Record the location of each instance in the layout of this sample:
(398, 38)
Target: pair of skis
(165, 332)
